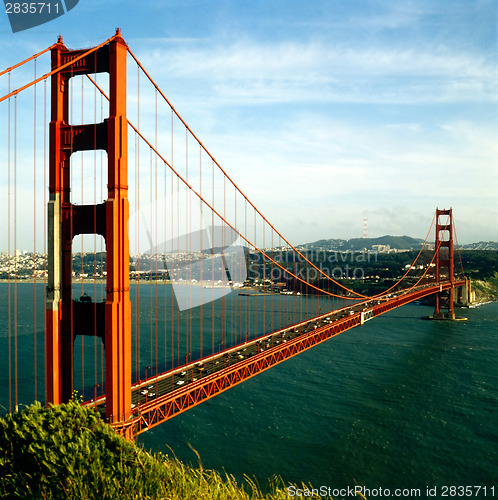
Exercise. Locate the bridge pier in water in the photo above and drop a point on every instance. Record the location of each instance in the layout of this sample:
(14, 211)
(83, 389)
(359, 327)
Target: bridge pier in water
(65, 317)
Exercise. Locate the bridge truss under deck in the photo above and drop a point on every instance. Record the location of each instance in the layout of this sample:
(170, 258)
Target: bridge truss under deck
(185, 387)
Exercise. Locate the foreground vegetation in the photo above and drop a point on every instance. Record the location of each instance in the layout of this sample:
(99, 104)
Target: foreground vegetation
(68, 452)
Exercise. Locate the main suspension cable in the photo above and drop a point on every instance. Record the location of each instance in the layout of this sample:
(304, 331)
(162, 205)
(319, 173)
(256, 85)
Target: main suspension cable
(233, 183)
(8, 70)
(458, 249)
(412, 264)
(220, 216)
(56, 70)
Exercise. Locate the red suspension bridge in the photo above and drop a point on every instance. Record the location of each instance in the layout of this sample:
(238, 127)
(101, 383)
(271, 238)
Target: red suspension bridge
(163, 284)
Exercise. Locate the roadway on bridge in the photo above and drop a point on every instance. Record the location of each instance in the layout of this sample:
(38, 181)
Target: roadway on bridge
(148, 391)
(163, 396)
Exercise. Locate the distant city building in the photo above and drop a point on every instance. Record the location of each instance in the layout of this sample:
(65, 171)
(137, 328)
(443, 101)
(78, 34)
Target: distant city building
(381, 248)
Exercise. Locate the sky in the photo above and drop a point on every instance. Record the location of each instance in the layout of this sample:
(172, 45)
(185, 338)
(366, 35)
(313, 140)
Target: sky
(324, 112)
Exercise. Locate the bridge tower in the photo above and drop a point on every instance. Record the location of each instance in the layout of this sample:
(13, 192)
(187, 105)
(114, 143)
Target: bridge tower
(66, 318)
(444, 308)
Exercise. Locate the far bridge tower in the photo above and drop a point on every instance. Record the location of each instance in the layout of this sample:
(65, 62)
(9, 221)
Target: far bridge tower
(444, 308)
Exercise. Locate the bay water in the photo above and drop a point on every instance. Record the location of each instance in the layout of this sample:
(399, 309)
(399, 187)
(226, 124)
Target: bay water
(397, 403)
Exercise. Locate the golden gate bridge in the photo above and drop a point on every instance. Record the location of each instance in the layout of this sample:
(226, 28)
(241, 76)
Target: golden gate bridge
(98, 160)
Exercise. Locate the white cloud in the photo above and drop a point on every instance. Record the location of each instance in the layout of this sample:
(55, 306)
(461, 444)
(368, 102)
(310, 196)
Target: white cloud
(248, 72)
(314, 165)
(330, 117)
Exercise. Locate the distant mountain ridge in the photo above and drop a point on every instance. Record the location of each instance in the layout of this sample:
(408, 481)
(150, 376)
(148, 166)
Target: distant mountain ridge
(387, 243)
(358, 244)
(481, 245)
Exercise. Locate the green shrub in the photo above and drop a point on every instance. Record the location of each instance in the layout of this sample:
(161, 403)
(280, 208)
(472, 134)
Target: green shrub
(68, 452)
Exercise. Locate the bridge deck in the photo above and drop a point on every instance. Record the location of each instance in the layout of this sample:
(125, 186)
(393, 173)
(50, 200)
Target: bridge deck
(163, 396)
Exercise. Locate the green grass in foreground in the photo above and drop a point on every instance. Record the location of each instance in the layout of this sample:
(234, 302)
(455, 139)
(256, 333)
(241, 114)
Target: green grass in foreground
(68, 452)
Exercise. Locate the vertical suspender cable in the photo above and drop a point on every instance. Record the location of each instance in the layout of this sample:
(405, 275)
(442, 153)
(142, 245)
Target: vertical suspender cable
(95, 379)
(247, 269)
(282, 307)
(178, 261)
(71, 200)
(34, 231)
(192, 261)
(172, 267)
(164, 287)
(201, 264)
(137, 267)
(245, 273)
(156, 242)
(233, 268)
(172, 249)
(224, 276)
(188, 248)
(151, 266)
(137, 172)
(256, 272)
(212, 263)
(272, 307)
(458, 248)
(45, 189)
(264, 278)
(82, 261)
(15, 250)
(163, 260)
(9, 253)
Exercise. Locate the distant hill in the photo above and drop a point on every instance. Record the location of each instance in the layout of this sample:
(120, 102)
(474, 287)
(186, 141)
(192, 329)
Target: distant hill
(394, 243)
(358, 244)
(481, 245)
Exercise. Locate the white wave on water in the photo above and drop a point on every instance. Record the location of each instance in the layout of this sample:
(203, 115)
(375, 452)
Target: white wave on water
(479, 304)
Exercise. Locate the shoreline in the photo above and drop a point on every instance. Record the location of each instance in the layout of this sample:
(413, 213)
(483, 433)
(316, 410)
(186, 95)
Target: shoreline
(43, 281)
(480, 300)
